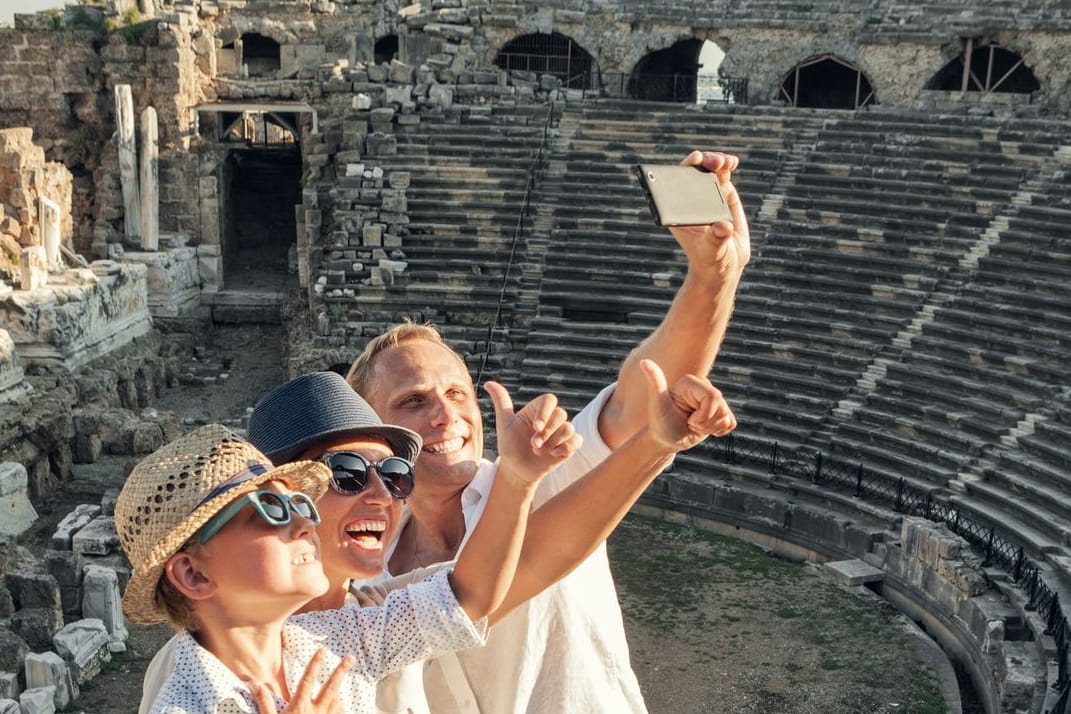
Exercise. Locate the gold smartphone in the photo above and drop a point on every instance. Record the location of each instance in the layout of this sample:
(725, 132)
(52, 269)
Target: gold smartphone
(682, 195)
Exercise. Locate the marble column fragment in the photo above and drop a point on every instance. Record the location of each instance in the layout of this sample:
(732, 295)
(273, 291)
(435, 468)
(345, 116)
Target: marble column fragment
(34, 268)
(48, 215)
(128, 159)
(150, 180)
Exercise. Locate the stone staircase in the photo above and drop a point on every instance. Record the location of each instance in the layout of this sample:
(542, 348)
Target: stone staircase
(465, 246)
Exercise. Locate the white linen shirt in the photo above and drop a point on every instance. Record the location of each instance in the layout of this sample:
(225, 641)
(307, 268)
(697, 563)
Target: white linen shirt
(412, 624)
(562, 652)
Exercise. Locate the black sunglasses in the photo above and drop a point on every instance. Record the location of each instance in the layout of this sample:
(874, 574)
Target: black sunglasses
(349, 473)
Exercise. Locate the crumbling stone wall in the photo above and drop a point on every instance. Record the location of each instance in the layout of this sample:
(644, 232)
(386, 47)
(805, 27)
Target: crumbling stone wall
(25, 177)
(57, 76)
(69, 418)
(51, 81)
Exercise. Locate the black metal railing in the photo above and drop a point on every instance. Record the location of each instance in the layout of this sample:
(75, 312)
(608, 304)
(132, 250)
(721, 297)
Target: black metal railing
(655, 87)
(522, 215)
(908, 498)
(684, 88)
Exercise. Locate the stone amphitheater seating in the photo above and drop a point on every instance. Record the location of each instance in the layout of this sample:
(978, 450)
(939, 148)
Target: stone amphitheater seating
(879, 217)
(468, 176)
(906, 307)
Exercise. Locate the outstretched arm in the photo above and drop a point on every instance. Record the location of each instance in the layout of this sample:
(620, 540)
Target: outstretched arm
(531, 443)
(689, 337)
(569, 527)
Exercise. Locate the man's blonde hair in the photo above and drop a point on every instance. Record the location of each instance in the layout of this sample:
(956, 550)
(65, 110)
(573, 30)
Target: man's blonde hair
(359, 375)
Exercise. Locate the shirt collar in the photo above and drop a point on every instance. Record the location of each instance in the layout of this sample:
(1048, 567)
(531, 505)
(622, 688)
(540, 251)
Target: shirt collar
(209, 679)
(479, 487)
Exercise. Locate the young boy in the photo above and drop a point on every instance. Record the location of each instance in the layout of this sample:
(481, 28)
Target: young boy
(225, 547)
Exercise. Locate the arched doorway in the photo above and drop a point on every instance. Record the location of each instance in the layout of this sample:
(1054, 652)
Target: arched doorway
(552, 53)
(827, 82)
(985, 68)
(688, 72)
(667, 75)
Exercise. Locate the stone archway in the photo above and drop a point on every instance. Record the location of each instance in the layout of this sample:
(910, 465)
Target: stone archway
(985, 68)
(552, 53)
(827, 82)
(685, 72)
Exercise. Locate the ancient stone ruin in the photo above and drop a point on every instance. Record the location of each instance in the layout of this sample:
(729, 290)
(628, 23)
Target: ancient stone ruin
(898, 354)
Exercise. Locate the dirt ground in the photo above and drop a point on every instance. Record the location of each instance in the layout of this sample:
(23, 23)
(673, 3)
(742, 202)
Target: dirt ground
(715, 625)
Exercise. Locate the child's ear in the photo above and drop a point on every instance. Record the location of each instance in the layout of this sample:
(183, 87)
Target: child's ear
(185, 573)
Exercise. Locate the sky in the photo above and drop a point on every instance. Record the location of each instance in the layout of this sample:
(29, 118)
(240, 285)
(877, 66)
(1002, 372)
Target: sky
(8, 8)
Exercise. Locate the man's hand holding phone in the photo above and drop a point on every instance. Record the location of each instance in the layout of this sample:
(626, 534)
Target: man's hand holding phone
(717, 252)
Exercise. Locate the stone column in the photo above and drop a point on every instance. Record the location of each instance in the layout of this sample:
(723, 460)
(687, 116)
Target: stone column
(34, 268)
(128, 159)
(150, 181)
(48, 216)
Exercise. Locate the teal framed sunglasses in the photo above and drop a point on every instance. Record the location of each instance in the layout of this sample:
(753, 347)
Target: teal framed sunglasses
(275, 508)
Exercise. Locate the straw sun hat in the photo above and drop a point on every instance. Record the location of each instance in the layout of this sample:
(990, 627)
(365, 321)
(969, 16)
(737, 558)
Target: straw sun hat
(173, 492)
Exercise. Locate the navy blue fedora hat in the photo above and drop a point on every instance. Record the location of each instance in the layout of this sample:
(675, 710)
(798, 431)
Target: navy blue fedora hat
(318, 406)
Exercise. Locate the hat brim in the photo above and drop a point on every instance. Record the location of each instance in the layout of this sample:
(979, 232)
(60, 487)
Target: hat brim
(403, 442)
(139, 602)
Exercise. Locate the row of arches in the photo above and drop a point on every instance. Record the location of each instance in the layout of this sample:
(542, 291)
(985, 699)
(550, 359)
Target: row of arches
(825, 81)
(689, 71)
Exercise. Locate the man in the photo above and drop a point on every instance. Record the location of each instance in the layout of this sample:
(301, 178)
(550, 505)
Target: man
(564, 650)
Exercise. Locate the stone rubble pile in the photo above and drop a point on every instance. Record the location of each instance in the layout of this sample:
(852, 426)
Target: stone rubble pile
(63, 610)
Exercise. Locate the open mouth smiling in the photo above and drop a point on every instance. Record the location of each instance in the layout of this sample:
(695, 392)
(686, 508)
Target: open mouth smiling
(367, 534)
(446, 446)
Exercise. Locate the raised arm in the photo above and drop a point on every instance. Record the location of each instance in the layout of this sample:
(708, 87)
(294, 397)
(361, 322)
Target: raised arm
(531, 443)
(688, 339)
(569, 527)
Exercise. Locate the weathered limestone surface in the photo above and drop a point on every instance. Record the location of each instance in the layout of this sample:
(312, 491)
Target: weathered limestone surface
(128, 159)
(34, 268)
(88, 315)
(30, 185)
(12, 381)
(149, 180)
(47, 669)
(173, 279)
(84, 646)
(17, 514)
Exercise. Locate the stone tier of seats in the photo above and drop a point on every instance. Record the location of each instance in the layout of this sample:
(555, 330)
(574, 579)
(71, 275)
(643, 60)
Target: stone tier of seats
(905, 308)
(873, 324)
(985, 360)
(468, 178)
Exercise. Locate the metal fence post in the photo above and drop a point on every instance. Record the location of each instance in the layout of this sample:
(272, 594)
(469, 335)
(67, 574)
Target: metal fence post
(859, 481)
(899, 505)
(988, 550)
(1055, 615)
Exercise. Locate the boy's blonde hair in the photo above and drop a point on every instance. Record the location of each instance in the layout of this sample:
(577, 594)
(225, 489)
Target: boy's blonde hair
(359, 375)
(177, 607)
